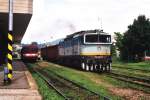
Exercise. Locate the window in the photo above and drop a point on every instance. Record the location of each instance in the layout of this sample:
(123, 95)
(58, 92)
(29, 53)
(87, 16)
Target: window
(97, 38)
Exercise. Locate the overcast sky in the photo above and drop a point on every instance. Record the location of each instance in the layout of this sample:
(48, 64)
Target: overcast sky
(54, 19)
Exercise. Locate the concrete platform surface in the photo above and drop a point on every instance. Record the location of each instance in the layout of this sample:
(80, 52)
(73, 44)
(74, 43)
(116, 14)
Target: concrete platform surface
(23, 86)
(19, 81)
(19, 94)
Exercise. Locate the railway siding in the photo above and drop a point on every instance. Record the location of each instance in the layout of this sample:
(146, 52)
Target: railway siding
(77, 77)
(64, 84)
(133, 80)
(100, 83)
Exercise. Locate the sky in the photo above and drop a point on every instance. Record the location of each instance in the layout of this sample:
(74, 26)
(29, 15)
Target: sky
(54, 19)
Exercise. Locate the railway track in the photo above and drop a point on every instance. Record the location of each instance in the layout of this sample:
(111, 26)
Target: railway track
(131, 79)
(66, 88)
(143, 70)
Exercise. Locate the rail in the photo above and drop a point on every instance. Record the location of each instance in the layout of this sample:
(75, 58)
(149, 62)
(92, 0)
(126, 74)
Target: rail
(61, 85)
(130, 79)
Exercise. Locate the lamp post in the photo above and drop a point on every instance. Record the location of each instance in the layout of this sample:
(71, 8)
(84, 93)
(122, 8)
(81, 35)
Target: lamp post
(8, 69)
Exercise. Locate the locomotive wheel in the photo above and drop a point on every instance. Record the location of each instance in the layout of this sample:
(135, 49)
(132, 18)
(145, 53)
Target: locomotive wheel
(104, 67)
(87, 67)
(110, 68)
(100, 67)
(95, 67)
(83, 65)
(91, 67)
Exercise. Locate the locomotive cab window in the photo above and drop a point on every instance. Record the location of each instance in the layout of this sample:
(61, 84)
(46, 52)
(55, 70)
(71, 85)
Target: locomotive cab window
(97, 38)
(29, 49)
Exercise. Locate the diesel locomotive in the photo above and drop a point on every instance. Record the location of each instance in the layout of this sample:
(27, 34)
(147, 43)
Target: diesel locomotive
(89, 50)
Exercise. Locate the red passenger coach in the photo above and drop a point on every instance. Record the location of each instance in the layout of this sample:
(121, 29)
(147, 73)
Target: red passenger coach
(50, 53)
(29, 52)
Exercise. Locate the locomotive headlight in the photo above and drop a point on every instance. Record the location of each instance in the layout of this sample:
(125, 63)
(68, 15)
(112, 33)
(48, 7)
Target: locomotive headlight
(30, 54)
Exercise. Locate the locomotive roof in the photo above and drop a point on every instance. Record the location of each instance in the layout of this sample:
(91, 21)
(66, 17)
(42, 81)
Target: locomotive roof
(86, 31)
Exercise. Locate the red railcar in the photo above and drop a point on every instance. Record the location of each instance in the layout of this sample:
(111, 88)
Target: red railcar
(50, 53)
(29, 52)
(147, 58)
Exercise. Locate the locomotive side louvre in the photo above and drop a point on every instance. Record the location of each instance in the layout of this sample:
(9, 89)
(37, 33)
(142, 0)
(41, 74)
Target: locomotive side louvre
(70, 47)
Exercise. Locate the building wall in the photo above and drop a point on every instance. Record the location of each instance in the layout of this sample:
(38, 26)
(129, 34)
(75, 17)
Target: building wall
(20, 6)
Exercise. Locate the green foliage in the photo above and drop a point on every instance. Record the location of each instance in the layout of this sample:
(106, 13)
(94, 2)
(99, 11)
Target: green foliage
(118, 38)
(130, 69)
(140, 65)
(118, 43)
(82, 79)
(46, 92)
(113, 50)
(136, 40)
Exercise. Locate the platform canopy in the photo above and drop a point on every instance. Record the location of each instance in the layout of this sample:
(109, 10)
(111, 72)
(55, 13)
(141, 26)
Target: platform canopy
(22, 14)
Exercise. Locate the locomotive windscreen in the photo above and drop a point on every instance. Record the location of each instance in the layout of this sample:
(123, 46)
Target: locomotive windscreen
(30, 49)
(97, 38)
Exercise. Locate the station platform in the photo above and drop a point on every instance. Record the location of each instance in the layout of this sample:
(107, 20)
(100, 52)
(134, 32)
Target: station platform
(23, 86)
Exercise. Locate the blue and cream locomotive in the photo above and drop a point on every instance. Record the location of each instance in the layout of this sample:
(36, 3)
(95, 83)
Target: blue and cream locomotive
(89, 50)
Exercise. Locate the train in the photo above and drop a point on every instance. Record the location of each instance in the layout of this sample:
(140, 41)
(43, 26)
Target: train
(89, 50)
(29, 53)
(147, 55)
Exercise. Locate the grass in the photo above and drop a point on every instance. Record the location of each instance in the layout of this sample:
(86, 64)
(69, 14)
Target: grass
(85, 79)
(81, 79)
(69, 91)
(132, 72)
(118, 83)
(45, 91)
(121, 67)
(129, 72)
(140, 65)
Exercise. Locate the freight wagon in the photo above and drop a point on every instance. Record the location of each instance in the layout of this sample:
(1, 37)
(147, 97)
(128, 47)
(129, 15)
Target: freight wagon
(50, 53)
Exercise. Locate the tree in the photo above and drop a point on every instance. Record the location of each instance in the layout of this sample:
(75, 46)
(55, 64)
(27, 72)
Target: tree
(113, 50)
(118, 39)
(136, 39)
